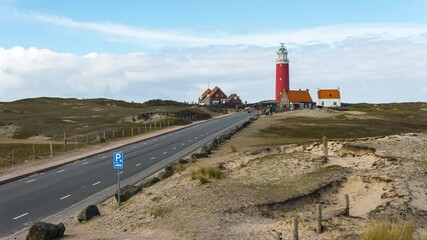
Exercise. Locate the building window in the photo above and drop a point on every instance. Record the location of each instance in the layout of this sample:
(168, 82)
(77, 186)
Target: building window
(217, 95)
(323, 103)
(335, 103)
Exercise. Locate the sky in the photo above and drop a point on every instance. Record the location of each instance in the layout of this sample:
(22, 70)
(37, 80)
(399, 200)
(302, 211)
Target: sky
(374, 50)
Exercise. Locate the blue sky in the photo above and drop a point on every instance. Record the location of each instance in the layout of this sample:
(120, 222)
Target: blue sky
(139, 50)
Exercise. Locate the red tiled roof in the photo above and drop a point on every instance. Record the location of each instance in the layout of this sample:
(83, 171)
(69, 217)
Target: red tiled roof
(205, 93)
(232, 96)
(296, 96)
(328, 93)
(210, 94)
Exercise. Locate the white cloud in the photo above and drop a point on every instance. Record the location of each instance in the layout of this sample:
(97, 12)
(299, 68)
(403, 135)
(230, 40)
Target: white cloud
(365, 70)
(370, 63)
(323, 34)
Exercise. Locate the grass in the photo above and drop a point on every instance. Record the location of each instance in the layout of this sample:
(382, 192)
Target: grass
(399, 230)
(178, 167)
(204, 173)
(82, 119)
(233, 149)
(377, 120)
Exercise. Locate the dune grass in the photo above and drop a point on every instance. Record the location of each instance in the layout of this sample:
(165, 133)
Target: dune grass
(399, 230)
(204, 173)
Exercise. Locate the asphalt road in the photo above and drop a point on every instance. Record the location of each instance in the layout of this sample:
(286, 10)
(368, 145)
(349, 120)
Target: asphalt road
(36, 197)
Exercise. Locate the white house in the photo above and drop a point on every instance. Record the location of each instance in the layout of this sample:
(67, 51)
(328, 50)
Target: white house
(329, 97)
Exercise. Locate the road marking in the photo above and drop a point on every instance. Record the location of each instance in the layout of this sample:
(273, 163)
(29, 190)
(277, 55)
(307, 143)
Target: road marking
(196, 137)
(25, 214)
(60, 171)
(138, 164)
(154, 140)
(201, 135)
(145, 143)
(174, 148)
(64, 197)
(96, 183)
(152, 158)
(104, 156)
(134, 147)
(164, 153)
(183, 144)
(84, 163)
(189, 140)
(32, 180)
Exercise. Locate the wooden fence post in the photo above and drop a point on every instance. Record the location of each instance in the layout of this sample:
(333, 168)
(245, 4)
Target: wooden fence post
(131, 131)
(114, 134)
(34, 152)
(325, 146)
(51, 149)
(145, 128)
(123, 133)
(346, 205)
(319, 218)
(76, 142)
(139, 130)
(295, 228)
(13, 157)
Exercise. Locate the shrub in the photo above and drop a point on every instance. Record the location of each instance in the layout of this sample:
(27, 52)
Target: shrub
(178, 167)
(203, 174)
(399, 230)
(233, 149)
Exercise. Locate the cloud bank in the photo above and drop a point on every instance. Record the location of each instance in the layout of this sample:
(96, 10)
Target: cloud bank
(370, 63)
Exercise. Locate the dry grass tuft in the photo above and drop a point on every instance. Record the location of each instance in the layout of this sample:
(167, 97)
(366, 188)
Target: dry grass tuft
(206, 172)
(399, 230)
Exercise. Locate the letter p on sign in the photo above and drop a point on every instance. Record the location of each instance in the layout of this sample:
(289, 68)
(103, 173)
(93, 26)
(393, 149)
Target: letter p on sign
(118, 160)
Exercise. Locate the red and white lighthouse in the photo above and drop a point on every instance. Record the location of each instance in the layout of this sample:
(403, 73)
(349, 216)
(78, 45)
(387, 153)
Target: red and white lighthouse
(282, 73)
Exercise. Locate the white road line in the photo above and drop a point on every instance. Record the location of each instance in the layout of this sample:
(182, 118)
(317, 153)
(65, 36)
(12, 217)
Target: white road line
(104, 156)
(145, 143)
(183, 144)
(96, 183)
(25, 214)
(174, 148)
(152, 158)
(196, 137)
(189, 140)
(164, 153)
(138, 164)
(154, 140)
(64, 197)
(84, 163)
(60, 171)
(133, 147)
(201, 135)
(32, 180)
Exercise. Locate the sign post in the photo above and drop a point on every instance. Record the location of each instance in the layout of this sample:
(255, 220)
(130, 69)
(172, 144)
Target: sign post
(118, 163)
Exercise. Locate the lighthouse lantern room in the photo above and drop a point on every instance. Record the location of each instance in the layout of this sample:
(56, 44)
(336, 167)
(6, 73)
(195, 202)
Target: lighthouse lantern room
(282, 72)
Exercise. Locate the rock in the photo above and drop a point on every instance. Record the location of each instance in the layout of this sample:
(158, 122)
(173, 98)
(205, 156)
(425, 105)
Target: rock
(167, 172)
(149, 182)
(88, 213)
(45, 231)
(127, 192)
(205, 149)
(183, 161)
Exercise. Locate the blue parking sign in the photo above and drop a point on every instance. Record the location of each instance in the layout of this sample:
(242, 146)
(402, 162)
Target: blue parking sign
(118, 160)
